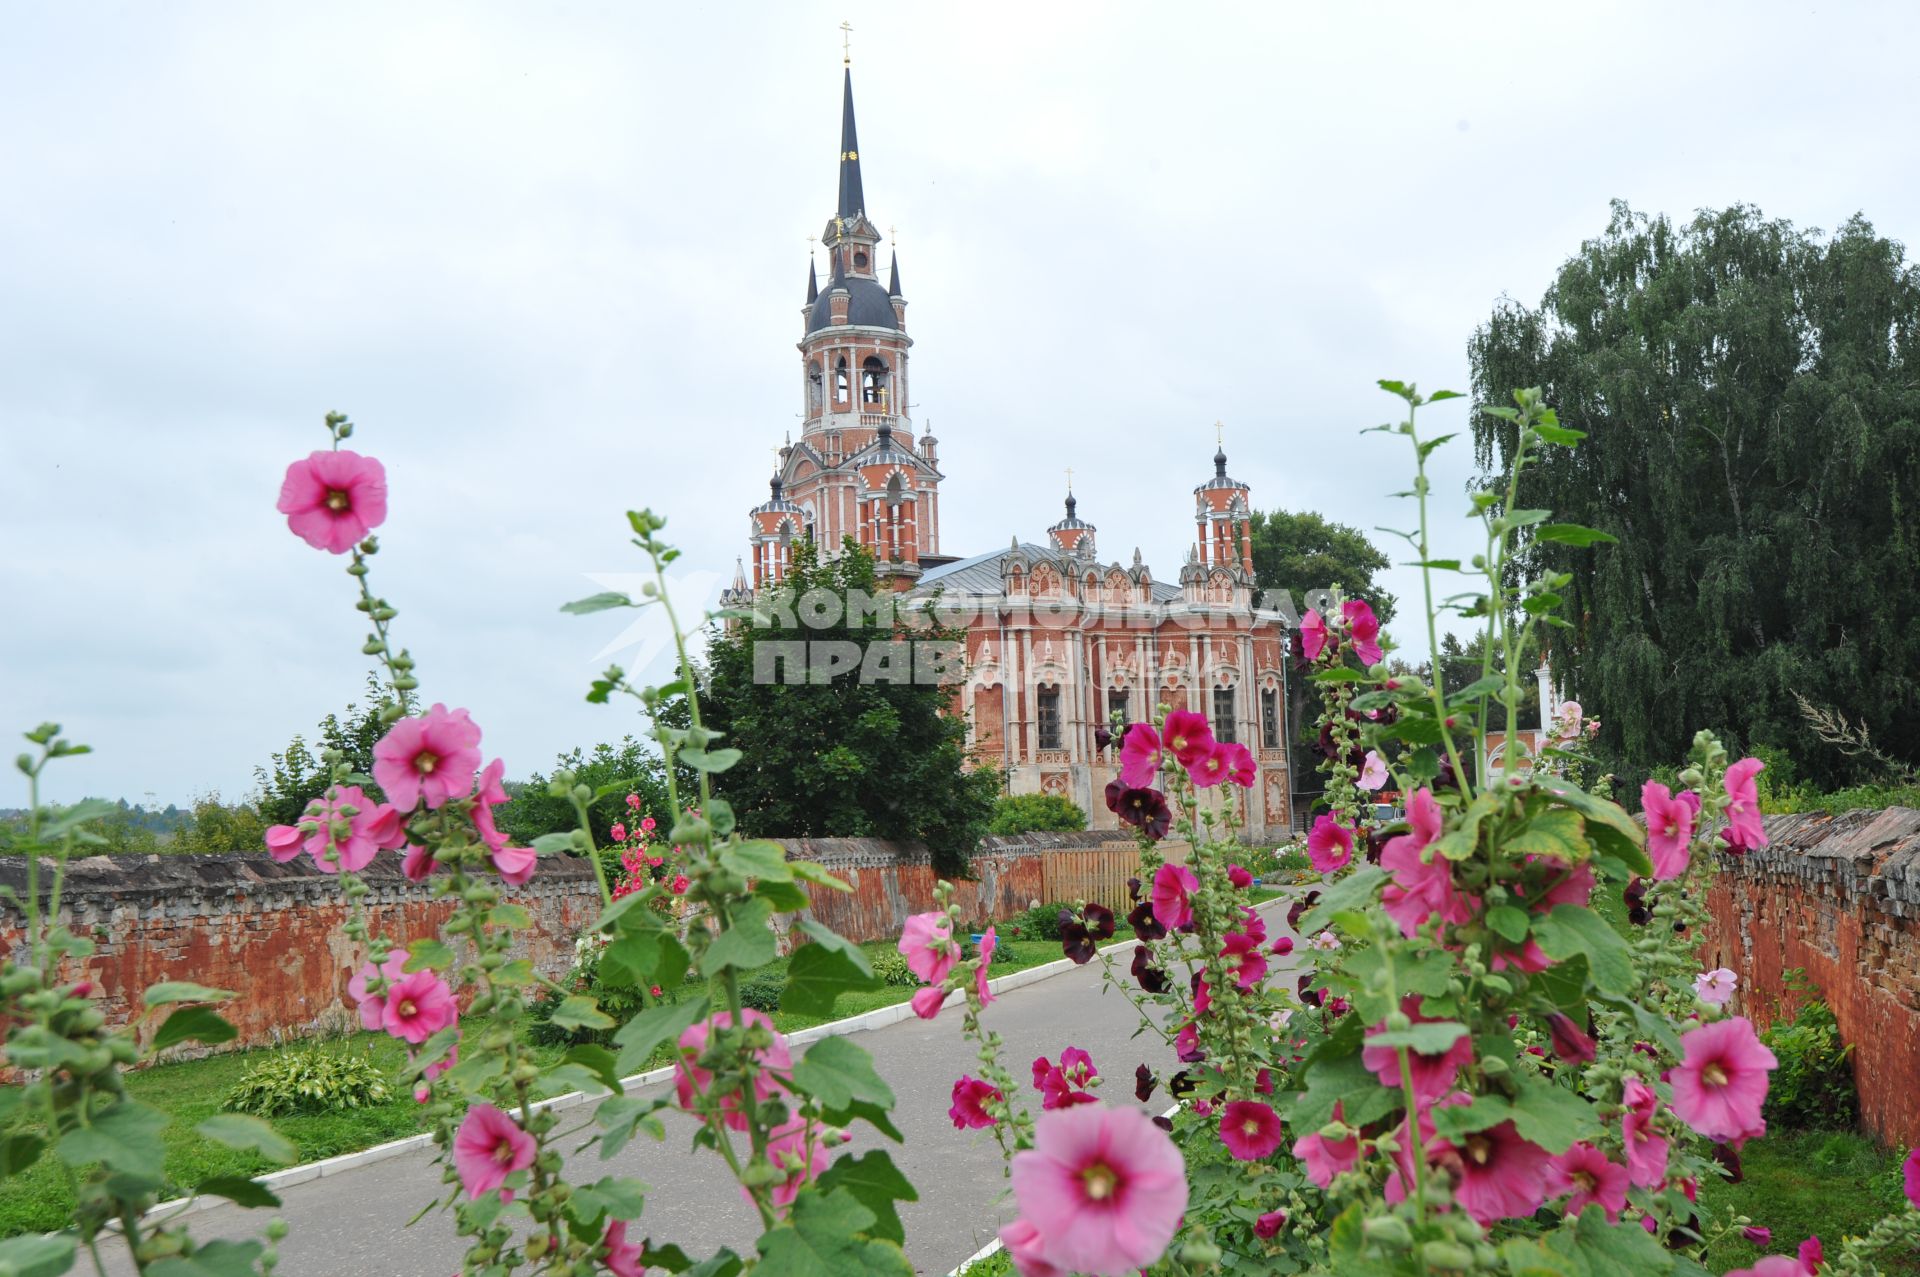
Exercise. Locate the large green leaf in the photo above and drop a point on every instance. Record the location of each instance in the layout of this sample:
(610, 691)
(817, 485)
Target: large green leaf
(639, 1036)
(1555, 832)
(1575, 929)
(644, 958)
(1607, 816)
(837, 1072)
(757, 860)
(195, 1024)
(19, 1150)
(183, 991)
(1431, 1037)
(581, 1012)
(236, 1130)
(1358, 888)
(824, 1237)
(212, 1259)
(819, 972)
(237, 1189)
(42, 1256)
(125, 1137)
(747, 942)
(877, 1183)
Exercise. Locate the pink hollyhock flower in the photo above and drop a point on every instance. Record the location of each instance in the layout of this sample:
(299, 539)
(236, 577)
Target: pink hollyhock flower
(333, 499)
(1910, 1176)
(1758, 1234)
(1139, 756)
(1268, 1225)
(680, 884)
(1721, 1082)
(1364, 629)
(350, 829)
(1104, 1189)
(1022, 1241)
(800, 1148)
(417, 1007)
(987, 942)
(1565, 886)
(1570, 1042)
(970, 1097)
(1771, 1266)
(1241, 769)
(418, 864)
(1715, 987)
(1210, 768)
(488, 1147)
(424, 1092)
(621, 1256)
(691, 1082)
(1646, 1147)
(1745, 830)
(1584, 1172)
(1502, 1176)
(1282, 947)
(1325, 942)
(927, 944)
(1187, 735)
(1245, 959)
(633, 802)
(928, 1001)
(516, 864)
(646, 822)
(1373, 772)
(431, 758)
(1239, 877)
(1061, 1085)
(373, 1006)
(1173, 888)
(1433, 1072)
(1669, 829)
(1186, 1044)
(1250, 1130)
(1313, 635)
(1330, 845)
(618, 833)
(1812, 1255)
(1202, 993)
(1528, 957)
(1325, 1158)
(283, 842)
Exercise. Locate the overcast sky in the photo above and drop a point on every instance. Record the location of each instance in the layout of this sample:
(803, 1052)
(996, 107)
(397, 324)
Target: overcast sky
(550, 258)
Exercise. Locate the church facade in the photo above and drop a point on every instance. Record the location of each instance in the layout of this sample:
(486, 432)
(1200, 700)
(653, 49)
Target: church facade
(1059, 643)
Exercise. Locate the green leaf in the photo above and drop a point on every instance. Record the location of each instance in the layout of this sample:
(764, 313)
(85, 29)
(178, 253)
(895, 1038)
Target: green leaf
(428, 955)
(196, 1024)
(237, 1189)
(836, 1072)
(1440, 396)
(1444, 565)
(619, 1116)
(818, 876)
(212, 1259)
(819, 972)
(1565, 436)
(19, 1150)
(579, 1011)
(126, 1137)
(1339, 674)
(70, 819)
(1600, 812)
(877, 1184)
(1491, 685)
(1522, 518)
(1508, 921)
(598, 1061)
(236, 1130)
(597, 603)
(1553, 1116)
(823, 1238)
(553, 844)
(1555, 832)
(644, 958)
(511, 916)
(1573, 929)
(1599, 1249)
(609, 1197)
(1346, 1080)
(1430, 1038)
(763, 860)
(639, 1036)
(1427, 447)
(43, 1256)
(1359, 888)
(784, 897)
(1574, 534)
(709, 760)
(183, 991)
(747, 942)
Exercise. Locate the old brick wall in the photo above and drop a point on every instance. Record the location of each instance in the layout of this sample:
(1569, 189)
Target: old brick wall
(1839, 897)
(273, 932)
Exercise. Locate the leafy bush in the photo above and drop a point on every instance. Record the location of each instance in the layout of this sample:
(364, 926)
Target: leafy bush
(627, 767)
(309, 1080)
(1270, 862)
(892, 968)
(1030, 813)
(762, 992)
(1813, 1087)
(1041, 922)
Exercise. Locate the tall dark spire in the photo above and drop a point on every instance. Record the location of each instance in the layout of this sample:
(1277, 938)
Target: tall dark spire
(853, 200)
(813, 281)
(893, 276)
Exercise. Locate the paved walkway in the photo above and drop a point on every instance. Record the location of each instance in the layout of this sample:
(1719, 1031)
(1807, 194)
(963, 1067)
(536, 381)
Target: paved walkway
(354, 1224)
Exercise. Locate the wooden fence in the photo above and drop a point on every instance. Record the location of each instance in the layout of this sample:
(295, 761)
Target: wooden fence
(1098, 873)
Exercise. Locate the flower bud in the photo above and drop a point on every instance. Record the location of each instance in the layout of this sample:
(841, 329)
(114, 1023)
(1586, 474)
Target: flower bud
(1446, 1255)
(1570, 1043)
(1389, 1230)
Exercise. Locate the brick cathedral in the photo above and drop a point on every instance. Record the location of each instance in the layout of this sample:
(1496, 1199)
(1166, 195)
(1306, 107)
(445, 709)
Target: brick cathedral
(1058, 643)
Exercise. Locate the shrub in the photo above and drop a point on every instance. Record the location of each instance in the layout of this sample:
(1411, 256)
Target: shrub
(1812, 1089)
(1041, 922)
(762, 992)
(1030, 813)
(892, 968)
(309, 1080)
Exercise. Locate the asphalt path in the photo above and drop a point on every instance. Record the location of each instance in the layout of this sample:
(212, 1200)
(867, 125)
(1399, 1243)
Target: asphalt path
(355, 1224)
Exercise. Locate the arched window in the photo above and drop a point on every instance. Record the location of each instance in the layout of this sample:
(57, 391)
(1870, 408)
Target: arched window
(841, 386)
(814, 387)
(873, 381)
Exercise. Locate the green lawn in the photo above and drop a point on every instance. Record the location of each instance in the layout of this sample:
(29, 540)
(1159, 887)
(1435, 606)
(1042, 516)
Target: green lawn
(1806, 1183)
(38, 1198)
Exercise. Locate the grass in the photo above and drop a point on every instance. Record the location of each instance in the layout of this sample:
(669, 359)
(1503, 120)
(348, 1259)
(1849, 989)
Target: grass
(38, 1200)
(1806, 1183)
(998, 1264)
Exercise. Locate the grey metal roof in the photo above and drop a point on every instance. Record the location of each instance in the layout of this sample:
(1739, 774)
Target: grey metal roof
(981, 574)
(867, 303)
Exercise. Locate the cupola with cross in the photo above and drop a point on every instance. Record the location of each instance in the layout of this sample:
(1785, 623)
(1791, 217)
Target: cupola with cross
(1222, 516)
(1073, 534)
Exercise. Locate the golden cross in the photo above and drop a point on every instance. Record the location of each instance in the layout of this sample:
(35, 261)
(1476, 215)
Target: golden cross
(1069, 478)
(846, 44)
(893, 236)
(1219, 435)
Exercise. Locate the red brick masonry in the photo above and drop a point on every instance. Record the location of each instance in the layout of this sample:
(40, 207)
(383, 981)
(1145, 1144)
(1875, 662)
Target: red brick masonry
(272, 932)
(1838, 896)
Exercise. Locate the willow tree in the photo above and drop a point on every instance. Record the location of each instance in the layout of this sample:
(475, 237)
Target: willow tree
(1751, 395)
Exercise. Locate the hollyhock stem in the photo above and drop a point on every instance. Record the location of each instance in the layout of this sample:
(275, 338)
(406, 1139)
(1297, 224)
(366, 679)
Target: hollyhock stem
(1420, 488)
(399, 666)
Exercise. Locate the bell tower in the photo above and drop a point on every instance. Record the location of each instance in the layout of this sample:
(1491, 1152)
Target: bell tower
(856, 470)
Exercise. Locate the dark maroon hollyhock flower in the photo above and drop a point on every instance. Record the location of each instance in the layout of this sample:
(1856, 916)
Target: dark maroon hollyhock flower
(1182, 1084)
(1102, 738)
(1133, 891)
(1269, 1224)
(1151, 978)
(1143, 1083)
(1570, 1043)
(1144, 809)
(1299, 907)
(1074, 940)
(1311, 997)
(1635, 897)
(1115, 792)
(1376, 845)
(1164, 1123)
(1144, 924)
(1729, 1158)
(1099, 921)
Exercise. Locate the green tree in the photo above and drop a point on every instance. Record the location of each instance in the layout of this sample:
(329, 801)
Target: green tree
(850, 756)
(1751, 397)
(1308, 551)
(629, 767)
(1030, 813)
(299, 775)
